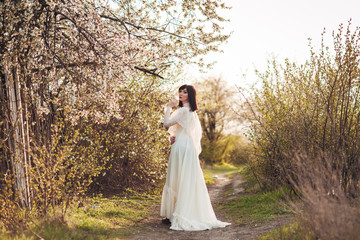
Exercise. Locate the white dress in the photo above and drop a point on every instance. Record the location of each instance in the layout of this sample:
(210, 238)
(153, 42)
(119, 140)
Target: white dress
(185, 198)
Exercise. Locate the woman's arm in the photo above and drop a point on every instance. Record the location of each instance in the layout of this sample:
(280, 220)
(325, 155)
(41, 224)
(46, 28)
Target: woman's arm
(174, 118)
(169, 120)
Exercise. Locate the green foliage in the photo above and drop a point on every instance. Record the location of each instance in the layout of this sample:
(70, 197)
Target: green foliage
(310, 108)
(137, 145)
(216, 102)
(112, 155)
(237, 149)
(227, 148)
(306, 136)
(10, 212)
(63, 170)
(60, 172)
(257, 207)
(296, 230)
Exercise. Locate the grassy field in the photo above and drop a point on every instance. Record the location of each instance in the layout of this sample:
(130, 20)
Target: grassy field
(256, 207)
(210, 172)
(94, 218)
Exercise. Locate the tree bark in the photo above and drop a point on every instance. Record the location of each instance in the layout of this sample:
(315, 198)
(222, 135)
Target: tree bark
(16, 141)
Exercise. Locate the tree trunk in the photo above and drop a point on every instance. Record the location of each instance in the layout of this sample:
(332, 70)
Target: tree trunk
(16, 140)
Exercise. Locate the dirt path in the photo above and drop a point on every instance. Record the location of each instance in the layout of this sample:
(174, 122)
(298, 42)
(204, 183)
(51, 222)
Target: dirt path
(152, 227)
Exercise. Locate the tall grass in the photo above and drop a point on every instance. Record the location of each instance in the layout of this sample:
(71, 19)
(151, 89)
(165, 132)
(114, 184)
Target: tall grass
(329, 211)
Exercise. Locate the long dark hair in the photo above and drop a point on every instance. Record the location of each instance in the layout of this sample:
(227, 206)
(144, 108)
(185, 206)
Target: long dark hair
(191, 96)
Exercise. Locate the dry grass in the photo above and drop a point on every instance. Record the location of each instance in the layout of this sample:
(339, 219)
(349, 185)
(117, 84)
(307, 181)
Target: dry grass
(331, 212)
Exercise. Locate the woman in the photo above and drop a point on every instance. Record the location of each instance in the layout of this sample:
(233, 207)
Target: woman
(185, 200)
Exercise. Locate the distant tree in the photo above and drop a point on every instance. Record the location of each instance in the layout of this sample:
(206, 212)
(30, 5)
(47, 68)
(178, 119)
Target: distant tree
(216, 113)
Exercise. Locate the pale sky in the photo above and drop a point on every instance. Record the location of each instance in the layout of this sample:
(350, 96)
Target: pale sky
(281, 28)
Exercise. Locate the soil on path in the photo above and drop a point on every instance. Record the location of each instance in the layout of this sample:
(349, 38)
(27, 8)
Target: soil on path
(152, 228)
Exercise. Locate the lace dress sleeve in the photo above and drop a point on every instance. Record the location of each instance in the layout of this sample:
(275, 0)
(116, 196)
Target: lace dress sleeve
(176, 117)
(175, 120)
(188, 120)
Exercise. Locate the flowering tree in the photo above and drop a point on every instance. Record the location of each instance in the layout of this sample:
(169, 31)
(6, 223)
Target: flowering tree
(67, 63)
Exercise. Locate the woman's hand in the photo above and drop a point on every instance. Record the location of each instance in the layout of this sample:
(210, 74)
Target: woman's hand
(172, 139)
(172, 103)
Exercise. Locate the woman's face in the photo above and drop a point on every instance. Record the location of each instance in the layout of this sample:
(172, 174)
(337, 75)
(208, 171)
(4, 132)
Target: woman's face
(183, 96)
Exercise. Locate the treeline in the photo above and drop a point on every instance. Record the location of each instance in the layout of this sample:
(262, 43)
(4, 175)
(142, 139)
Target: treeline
(82, 90)
(306, 134)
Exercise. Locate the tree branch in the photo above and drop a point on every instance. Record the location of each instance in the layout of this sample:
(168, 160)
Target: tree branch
(147, 28)
(59, 66)
(151, 72)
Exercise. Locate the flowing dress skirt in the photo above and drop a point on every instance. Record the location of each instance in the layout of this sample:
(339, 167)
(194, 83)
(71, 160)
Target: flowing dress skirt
(185, 198)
